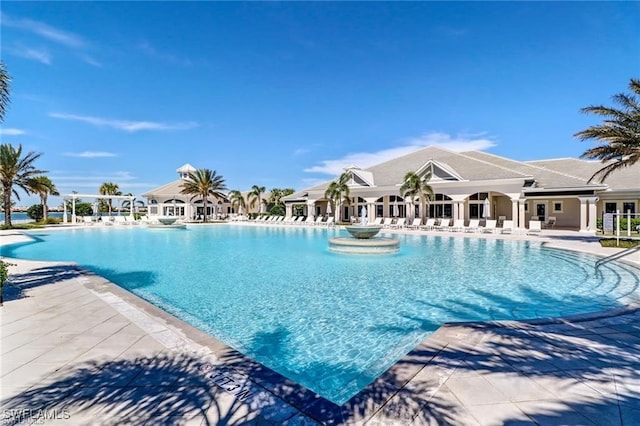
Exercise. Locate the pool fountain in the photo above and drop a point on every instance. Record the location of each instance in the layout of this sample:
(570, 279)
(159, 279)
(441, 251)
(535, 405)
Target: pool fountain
(363, 239)
(167, 222)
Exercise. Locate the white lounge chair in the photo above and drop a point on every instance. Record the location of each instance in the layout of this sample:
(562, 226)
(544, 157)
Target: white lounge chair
(331, 221)
(309, 220)
(120, 220)
(378, 221)
(507, 227)
(87, 220)
(473, 225)
(458, 225)
(399, 223)
(131, 220)
(415, 224)
(318, 221)
(443, 225)
(388, 221)
(489, 227)
(429, 225)
(550, 223)
(534, 227)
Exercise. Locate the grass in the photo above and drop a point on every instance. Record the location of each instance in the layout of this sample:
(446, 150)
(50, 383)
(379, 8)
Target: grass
(624, 243)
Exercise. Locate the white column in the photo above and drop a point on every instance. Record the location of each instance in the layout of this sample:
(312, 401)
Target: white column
(311, 208)
(131, 209)
(593, 214)
(288, 210)
(73, 210)
(583, 215)
(455, 210)
(64, 211)
(521, 213)
(514, 212)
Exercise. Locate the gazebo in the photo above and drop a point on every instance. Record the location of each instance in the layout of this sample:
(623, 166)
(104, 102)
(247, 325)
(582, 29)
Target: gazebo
(74, 197)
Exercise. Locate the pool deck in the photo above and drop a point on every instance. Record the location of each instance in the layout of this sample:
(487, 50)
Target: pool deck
(77, 349)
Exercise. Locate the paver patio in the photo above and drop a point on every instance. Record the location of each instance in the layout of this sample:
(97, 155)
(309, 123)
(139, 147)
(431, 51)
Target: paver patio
(77, 349)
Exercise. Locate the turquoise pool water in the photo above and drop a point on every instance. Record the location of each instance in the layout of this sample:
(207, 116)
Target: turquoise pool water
(328, 321)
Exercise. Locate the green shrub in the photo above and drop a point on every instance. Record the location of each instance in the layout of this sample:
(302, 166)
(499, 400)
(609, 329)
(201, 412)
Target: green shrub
(4, 276)
(35, 212)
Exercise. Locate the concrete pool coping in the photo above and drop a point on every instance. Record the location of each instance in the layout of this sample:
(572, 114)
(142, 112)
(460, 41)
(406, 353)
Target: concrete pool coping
(464, 373)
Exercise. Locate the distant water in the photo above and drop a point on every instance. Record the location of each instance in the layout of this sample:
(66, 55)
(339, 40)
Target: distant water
(17, 217)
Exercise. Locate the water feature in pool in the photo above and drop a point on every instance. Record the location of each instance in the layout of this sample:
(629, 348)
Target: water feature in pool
(330, 322)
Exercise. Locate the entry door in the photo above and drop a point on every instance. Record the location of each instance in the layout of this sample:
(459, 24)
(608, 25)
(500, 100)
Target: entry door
(541, 211)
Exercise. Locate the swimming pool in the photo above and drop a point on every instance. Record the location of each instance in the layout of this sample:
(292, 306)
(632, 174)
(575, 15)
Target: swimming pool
(333, 322)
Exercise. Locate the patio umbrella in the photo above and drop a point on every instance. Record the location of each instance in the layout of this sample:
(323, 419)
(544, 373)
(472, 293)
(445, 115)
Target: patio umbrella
(486, 210)
(396, 212)
(329, 211)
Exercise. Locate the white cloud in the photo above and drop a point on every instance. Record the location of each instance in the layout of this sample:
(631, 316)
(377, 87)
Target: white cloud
(44, 30)
(41, 55)
(90, 154)
(11, 132)
(91, 61)
(126, 125)
(367, 159)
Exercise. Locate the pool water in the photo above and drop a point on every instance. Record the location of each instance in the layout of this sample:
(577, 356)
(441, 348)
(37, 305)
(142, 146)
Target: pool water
(335, 322)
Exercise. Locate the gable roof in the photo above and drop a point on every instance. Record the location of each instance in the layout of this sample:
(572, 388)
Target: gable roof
(626, 178)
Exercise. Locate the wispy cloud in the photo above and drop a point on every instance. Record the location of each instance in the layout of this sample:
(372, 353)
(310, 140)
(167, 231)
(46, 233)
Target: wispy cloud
(300, 151)
(458, 143)
(44, 30)
(90, 183)
(90, 154)
(146, 48)
(11, 131)
(91, 61)
(41, 55)
(125, 125)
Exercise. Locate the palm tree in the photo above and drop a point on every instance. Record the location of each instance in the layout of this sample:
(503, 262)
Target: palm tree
(203, 183)
(16, 170)
(128, 204)
(338, 193)
(43, 186)
(109, 188)
(414, 185)
(237, 200)
(275, 199)
(256, 195)
(620, 133)
(4, 90)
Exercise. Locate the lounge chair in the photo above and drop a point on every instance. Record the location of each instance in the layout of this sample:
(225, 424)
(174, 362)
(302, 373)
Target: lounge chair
(388, 221)
(87, 220)
(309, 220)
(131, 220)
(378, 221)
(443, 225)
(299, 220)
(501, 220)
(473, 225)
(415, 224)
(551, 221)
(318, 221)
(534, 227)
(331, 221)
(507, 227)
(399, 223)
(458, 225)
(429, 225)
(120, 220)
(489, 227)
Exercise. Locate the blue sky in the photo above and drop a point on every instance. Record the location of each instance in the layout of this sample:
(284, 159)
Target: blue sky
(287, 94)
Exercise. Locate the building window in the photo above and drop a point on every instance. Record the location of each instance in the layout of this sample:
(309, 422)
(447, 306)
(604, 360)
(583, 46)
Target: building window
(629, 207)
(610, 207)
(526, 207)
(557, 206)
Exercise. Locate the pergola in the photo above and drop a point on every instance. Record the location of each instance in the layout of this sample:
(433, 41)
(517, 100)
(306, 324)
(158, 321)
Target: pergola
(74, 197)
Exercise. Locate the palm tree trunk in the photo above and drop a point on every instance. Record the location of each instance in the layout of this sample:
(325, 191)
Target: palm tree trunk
(204, 212)
(45, 208)
(7, 206)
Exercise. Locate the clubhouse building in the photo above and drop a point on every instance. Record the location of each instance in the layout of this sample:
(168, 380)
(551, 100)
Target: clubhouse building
(476, 184)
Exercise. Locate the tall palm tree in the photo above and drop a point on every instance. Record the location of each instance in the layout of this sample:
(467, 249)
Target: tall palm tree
(109, 188)
(43, 186)
(16, 170)
(255, 195)
(338, 193)
(414, 185)
(5, 79)
(237, 199)
(204, 183)
(619, 134)
(275, 199)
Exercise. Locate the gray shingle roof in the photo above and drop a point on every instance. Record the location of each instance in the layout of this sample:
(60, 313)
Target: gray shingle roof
(627, 178)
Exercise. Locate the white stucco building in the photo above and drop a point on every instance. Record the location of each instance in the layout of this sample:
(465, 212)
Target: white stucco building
(463, 181)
